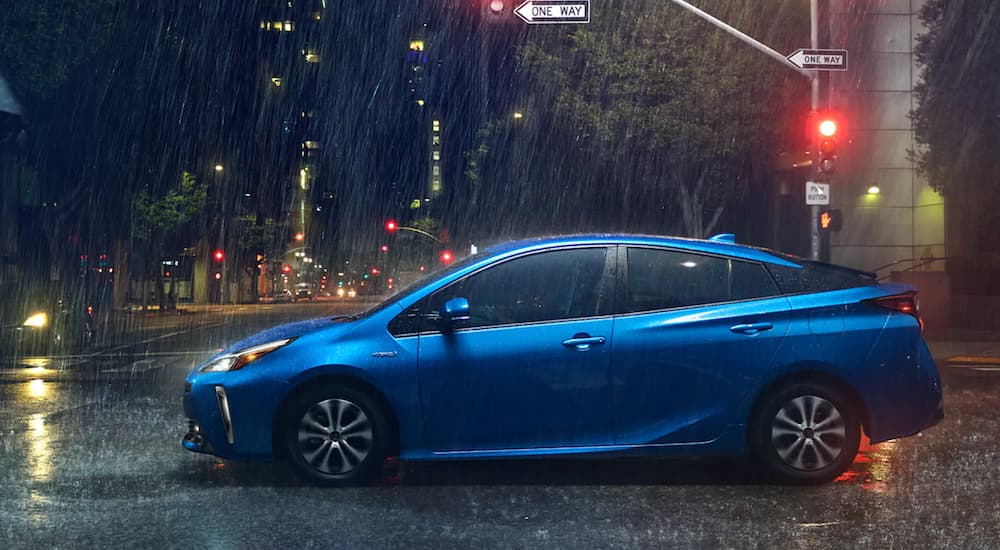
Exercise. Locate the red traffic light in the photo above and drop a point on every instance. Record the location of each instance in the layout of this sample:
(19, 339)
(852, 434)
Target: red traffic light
(391, 226)
(375, 271)
(384, 248)
(286, 269)
(219, 255)
(447, 257)
(827, 127)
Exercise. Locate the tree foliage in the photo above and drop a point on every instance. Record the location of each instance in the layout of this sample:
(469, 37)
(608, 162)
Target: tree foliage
(156, 218)
(957, 122)
(42, 41)
(664, 102)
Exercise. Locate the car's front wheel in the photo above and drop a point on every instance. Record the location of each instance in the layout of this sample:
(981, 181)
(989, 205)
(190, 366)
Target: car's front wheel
(336, 436)
(806, 433)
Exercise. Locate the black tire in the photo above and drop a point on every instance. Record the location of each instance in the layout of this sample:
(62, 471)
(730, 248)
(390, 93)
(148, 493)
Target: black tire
(343, 456)
(805, 433)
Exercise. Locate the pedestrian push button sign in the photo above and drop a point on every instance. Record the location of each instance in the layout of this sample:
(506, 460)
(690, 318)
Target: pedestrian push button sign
(817, 193)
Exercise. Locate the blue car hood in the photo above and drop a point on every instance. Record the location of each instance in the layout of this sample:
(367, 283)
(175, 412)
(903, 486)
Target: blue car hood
(290, 330)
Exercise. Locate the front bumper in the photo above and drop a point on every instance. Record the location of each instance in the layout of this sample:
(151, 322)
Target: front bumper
(230, 415)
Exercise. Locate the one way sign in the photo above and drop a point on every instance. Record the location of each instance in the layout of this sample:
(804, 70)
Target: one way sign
(822, 60)
(554, 11)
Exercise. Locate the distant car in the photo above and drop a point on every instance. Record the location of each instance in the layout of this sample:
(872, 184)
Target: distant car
(59, 327)
(347, 292)
(304, 291)
(623, 345)
(282, 296)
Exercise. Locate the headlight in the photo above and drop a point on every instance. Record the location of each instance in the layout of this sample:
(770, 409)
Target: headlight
(238, 360)
(37, 320)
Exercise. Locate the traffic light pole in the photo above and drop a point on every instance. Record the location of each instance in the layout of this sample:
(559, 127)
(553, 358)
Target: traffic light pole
(814, 234)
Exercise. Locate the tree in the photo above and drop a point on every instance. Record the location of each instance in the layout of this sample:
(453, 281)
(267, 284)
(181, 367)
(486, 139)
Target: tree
(159, 220)
(660, 104)
(956, 122)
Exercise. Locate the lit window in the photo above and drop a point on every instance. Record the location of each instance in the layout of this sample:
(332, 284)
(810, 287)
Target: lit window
(312, 57)
(436, 140)
(437, 170)
(436, 186)
(417, 45)
(265, 25)
(436, 125)
(415, 203)
(277, 26)
(288, 26)
(310, 144)
(420, 102)
(436, 155)
(276, 81)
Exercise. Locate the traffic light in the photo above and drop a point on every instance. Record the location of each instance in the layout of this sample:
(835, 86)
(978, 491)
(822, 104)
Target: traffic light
(495, 8)
(384, 248)
(219, 255)
(826, 129)
(286, 269)
(830, 220)
(391, 226)
(447, 257)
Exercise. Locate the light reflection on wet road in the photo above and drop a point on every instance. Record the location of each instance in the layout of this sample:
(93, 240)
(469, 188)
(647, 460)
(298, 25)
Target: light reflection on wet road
(90, 457)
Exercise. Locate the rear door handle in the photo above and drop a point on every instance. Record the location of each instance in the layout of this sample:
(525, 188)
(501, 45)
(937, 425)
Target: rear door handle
(751, 328)
(583, 342)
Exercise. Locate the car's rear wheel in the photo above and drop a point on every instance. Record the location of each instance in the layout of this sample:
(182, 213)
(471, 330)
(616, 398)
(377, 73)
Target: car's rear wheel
(336, 436)
(806, 433)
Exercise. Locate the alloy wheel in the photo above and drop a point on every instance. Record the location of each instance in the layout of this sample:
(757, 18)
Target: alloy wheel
(808, 433)
(335, 436)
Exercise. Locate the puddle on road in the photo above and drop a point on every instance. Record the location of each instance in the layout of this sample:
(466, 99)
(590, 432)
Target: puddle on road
(873, 468)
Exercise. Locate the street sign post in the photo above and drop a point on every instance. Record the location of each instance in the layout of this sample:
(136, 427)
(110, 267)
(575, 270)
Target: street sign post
(820, 60)
(539, 12)
(817, 193)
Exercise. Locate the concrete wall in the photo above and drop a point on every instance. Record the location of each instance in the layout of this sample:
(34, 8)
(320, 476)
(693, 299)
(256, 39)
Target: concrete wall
(906, 220)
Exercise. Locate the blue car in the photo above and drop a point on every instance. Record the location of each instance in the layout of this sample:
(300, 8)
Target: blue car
(584, 345)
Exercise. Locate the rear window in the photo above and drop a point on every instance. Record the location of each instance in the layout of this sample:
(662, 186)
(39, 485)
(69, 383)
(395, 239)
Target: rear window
(818, 277)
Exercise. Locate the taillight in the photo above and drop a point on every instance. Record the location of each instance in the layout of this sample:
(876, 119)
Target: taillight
(903, 303)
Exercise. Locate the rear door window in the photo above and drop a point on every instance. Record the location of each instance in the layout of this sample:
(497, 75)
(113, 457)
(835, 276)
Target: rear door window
(665, 279)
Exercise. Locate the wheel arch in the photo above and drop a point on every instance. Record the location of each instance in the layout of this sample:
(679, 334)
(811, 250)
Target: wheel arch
(810, 373)
(278, 424)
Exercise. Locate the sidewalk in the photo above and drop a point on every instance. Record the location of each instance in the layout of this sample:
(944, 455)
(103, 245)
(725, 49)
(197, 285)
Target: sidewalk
(965, 349)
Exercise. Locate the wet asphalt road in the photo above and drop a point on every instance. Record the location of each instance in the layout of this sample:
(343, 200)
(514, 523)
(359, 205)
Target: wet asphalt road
(90, 457)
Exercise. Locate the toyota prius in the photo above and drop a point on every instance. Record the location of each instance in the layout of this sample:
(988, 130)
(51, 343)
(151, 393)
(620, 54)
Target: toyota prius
(584, 346)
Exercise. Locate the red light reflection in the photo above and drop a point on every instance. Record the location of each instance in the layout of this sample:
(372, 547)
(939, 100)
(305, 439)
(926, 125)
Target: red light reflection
(872, 469)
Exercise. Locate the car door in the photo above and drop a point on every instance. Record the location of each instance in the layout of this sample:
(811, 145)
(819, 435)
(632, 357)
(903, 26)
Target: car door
(530, 368)
(692, 331)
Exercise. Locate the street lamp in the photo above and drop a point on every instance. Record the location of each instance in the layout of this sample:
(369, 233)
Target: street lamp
(219, 167)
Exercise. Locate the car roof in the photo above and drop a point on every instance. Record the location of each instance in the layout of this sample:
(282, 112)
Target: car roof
(720, 247)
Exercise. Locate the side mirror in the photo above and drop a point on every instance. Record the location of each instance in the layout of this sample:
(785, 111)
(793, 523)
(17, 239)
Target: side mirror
(454, 311)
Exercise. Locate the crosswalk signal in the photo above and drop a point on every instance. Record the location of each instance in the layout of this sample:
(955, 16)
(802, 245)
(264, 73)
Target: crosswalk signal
(829, 220)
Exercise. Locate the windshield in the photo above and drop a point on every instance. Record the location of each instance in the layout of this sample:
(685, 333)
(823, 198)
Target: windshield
(178, 176)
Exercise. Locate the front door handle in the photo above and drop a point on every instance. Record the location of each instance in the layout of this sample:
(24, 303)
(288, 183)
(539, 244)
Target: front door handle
(751, 328)
(583, 341)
